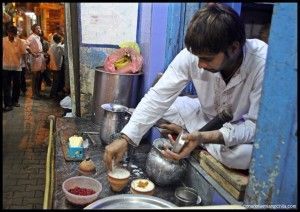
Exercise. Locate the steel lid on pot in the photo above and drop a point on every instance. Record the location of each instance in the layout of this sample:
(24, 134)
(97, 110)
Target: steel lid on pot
(113, 107)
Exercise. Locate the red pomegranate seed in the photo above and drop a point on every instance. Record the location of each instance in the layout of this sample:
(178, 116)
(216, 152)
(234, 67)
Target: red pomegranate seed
(81, 191)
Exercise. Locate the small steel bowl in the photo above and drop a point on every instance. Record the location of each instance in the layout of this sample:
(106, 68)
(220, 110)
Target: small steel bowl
(186, 196)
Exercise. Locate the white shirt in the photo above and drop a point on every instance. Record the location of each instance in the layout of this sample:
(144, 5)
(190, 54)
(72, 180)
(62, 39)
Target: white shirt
(12, 54)
(242, 94)
(35, 45)
(24, 58)
(56, 53)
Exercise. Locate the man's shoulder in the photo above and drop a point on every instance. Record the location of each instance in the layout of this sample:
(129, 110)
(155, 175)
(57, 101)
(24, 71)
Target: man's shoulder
(33, 36)
(186, 55)
(256, 47)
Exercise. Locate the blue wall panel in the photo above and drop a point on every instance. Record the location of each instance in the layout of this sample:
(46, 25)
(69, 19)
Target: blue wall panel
(157, 47)
(273, 175)
(236, 6)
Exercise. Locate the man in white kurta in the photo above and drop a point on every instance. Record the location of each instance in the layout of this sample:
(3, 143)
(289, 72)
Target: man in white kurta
(242, 94)
(219, 85)
(36, 60)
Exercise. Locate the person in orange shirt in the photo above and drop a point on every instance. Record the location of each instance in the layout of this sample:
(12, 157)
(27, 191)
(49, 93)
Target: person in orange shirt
(13, 50)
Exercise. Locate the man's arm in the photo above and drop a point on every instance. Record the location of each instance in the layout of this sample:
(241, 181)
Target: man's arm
(243, 131)
(159, 98)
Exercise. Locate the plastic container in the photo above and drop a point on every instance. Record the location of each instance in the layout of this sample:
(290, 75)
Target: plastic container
(82, 182)
(75, 152)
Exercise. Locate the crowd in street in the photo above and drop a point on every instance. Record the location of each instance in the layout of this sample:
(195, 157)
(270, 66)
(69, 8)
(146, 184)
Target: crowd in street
(35, 56)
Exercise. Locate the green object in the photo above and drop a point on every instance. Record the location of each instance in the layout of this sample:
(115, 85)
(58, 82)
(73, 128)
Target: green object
(130, 44)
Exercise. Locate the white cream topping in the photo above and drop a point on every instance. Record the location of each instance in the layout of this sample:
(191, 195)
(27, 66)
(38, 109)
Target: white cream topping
(119, 173)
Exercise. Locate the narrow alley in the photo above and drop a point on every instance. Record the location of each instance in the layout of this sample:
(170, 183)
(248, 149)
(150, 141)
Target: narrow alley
(25, 140)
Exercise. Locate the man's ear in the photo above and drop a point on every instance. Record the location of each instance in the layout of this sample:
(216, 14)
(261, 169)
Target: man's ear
(234, 48)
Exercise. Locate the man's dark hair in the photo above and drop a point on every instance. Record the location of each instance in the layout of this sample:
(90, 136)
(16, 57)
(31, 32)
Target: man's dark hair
(33, 27)
(12, 29)
(213, 29)
(57, 38)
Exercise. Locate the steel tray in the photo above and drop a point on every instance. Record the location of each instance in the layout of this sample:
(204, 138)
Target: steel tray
(130, 201)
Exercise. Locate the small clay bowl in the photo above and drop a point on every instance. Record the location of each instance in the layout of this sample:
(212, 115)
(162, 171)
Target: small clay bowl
(118, 179)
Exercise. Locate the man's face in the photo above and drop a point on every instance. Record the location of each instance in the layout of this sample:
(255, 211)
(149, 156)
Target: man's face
(212, 62)
(217, 62)
(60, 31)
(38, 30)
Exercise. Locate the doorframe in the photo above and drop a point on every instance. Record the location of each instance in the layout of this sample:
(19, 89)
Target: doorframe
(72, 50)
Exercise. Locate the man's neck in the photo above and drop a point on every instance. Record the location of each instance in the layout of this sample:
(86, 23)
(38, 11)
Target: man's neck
(228, 73)
(11, 39)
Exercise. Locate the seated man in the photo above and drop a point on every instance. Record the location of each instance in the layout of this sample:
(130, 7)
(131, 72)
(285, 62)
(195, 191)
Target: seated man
(227, 72)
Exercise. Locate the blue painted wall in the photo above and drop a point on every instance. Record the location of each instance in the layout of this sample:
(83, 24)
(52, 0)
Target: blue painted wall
(273, 179)
(235, 5)
(156, 50)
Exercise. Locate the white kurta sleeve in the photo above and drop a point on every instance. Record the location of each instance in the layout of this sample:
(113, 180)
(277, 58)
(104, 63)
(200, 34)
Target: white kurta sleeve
(159, 98)
(244, 130)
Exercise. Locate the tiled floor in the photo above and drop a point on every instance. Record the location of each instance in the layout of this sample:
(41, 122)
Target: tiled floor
(24, 145)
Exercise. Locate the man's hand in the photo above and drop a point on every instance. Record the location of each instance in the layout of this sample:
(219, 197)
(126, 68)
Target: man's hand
(170, 129)
(115, 151)
(192, 140)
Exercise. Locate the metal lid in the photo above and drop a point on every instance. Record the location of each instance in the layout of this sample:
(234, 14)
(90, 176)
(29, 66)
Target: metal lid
(112, 107)
(101, 69)
(187, 195)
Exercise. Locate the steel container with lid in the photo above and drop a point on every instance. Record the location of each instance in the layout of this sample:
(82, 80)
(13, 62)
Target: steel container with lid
(162, 170)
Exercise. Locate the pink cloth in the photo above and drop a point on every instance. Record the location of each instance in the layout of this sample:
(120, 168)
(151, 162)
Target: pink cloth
(133, 67)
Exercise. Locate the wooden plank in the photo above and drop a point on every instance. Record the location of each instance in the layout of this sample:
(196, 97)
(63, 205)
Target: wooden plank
(238, 195)
(236, 178)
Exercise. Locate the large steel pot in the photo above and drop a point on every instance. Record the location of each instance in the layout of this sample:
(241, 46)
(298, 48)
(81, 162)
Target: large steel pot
(162, 170)
(115, 117)
(113, 87)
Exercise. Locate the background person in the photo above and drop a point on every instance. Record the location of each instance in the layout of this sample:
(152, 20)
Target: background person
(45, 75)
(56, 53)
(13, 50)
(25, 68)
(36, 59)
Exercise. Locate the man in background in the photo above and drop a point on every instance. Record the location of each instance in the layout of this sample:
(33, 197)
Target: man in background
(36, 60)
(13, 50)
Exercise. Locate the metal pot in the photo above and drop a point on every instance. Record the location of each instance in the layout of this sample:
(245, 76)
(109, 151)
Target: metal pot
(186, 196)
(115, 117)
(162, 170)
(110, 87)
